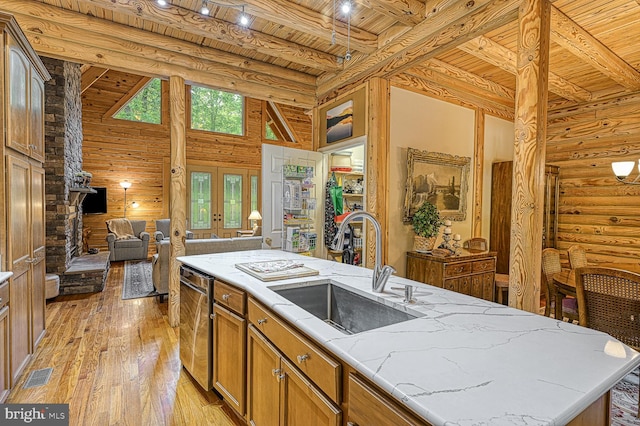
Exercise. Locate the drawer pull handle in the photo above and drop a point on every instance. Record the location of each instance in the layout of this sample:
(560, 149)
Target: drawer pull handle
(352, 424)
(225, 297)
(262, 321)
(275, 371)
(280, 377)
(302, 358)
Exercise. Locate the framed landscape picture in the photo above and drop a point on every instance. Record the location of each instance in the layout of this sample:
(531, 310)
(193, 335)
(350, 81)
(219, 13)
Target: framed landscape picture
(441, 179)
(342, 119)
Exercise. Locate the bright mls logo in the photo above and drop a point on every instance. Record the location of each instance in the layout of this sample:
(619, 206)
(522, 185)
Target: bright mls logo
(34, 414)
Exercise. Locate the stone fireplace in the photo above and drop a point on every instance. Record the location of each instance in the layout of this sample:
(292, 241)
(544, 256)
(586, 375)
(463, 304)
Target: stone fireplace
(63, 150)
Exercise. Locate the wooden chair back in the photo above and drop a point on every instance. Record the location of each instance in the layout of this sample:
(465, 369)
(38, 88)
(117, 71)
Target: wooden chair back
(550, 266)
(577, 256)
(609, 301)
(476, 244)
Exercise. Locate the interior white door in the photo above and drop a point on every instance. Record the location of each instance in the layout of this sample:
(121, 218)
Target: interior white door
(273, 158)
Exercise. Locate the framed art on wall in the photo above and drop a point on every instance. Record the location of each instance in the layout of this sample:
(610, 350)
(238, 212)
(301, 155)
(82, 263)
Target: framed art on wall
(441, 179)
(342, 119)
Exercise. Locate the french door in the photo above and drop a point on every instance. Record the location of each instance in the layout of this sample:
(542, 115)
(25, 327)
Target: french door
(220, 199)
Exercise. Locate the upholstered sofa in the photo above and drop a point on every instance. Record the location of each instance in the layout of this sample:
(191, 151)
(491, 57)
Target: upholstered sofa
(132, 248)
(160, 260)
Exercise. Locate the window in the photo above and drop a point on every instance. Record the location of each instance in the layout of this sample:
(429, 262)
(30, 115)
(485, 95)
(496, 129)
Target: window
(145, 105)
(217, 111)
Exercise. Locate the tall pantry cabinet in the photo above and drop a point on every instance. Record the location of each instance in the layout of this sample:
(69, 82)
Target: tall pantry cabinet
(22, 214)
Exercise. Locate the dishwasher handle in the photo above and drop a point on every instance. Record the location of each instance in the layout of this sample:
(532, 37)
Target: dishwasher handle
(193, 287)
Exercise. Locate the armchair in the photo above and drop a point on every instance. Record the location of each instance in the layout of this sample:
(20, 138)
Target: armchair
(128, 248)
(163, 229)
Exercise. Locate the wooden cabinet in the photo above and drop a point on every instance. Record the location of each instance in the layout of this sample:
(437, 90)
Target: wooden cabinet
(25, 99)
(278, 393)
(363, 397)
(322, 370)
(229, 344)
(469, 273)
(5, 371)
(500, 222)
(22, 216)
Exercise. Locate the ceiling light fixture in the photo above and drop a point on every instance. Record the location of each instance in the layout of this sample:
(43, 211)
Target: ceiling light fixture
(622, 170)
(346, 8)
(205, 9)
(244, 19)
(162, 2)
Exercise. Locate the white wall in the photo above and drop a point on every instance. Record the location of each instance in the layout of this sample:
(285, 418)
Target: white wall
(425, 123)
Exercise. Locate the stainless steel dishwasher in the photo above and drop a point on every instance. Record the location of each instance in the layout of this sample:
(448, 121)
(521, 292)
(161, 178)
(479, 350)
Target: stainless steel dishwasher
(196, 331)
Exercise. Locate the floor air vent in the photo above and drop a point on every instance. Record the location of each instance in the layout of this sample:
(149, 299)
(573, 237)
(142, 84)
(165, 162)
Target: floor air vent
(38, 378)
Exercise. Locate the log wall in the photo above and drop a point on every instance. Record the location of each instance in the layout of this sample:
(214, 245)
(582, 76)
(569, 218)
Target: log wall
(596, 211)
(117, 150)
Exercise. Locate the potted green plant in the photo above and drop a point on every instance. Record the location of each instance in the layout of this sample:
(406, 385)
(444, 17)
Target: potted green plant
(426, 224)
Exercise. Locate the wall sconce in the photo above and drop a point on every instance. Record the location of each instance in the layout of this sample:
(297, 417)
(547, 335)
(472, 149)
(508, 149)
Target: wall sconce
(255, 217)
(622, 170)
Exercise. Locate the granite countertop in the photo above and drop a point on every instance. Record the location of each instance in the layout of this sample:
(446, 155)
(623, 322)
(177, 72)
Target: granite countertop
(466, 361)
(4, 275)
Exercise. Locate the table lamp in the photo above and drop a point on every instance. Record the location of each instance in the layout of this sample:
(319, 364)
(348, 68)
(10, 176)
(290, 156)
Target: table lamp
(255, 217)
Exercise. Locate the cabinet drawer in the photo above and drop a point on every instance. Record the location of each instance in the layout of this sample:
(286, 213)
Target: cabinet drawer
(4, 293)
(457, 269)
(484, 265)
(368, 406)
(324, 371)
(230, 296)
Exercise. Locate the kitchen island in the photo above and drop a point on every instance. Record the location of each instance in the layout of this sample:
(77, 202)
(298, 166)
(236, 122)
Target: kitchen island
(465, 361)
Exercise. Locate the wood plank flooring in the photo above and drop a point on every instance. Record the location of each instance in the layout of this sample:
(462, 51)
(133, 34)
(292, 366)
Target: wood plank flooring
(117, 362)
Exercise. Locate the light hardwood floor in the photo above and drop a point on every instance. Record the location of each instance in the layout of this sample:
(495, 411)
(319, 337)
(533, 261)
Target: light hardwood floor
(117, 362)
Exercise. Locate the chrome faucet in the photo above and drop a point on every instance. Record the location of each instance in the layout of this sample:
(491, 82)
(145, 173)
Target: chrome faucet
(380, 273)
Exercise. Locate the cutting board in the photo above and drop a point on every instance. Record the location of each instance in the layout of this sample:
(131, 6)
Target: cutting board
(302, 271)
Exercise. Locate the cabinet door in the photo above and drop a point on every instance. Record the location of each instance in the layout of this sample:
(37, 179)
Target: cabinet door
(36, 114)
(229, 350)
(4, 354)
(476, 286)
(20, 307)
(263, 387)
(302, 403)
(488, 286)
(18, 99)
(38, 265)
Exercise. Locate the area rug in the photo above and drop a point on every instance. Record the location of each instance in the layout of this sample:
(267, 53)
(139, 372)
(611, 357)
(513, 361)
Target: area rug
(137, 280)
(624, 402)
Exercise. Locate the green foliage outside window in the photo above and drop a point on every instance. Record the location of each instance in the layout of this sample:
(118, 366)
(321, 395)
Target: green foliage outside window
(145, 106)
(216, 111)
(269, 133)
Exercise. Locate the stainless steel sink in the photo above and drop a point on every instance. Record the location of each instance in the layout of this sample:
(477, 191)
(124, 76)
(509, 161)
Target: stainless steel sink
(342, 308)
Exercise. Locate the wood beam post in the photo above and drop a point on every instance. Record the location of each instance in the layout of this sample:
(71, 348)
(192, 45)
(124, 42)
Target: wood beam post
(378, 113)
(529, 154)
(478, 173)
(177, 193)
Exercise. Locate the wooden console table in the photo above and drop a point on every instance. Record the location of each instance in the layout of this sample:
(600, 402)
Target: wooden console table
(468, 273)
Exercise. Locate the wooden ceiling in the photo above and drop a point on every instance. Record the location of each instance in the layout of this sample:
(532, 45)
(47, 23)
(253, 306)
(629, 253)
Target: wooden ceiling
(286, 54)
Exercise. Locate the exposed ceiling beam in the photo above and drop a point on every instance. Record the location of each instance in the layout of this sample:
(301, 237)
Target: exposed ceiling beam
(576, 40)
(299, 18)
(498, 55)
(465, 81)
(34, 15)
(137, 50)
(443, 30)
(138, 62)
(407, 12)
(211, 28)
(90, 76)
